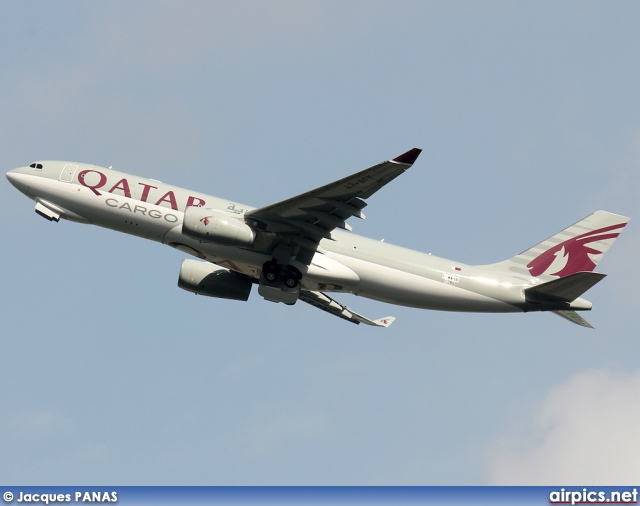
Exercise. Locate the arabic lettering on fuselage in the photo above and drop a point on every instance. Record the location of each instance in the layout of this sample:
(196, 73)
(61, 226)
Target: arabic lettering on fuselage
(96, 180)
(232, 209)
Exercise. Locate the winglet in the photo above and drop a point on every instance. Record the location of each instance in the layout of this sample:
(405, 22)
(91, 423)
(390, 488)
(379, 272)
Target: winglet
(409, 157)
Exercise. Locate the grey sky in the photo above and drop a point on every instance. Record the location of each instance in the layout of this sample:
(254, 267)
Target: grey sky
(528, 114)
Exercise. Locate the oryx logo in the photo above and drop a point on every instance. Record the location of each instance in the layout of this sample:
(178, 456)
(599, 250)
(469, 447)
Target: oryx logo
(572, 255)
(205, 220)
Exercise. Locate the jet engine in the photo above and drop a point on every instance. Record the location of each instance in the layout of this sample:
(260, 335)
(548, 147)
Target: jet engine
(211, 225)
(205, 278)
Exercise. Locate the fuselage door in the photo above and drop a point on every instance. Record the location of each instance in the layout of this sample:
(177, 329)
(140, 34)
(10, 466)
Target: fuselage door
(67, 172)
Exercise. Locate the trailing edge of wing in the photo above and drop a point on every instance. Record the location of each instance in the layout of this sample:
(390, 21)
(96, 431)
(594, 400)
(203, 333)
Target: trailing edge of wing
(326, 303)
(573, 317)
(315, 214)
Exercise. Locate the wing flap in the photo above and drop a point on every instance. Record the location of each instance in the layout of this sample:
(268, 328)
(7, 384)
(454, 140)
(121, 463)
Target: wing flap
(573, 317)
(352, 208)
(326, 303)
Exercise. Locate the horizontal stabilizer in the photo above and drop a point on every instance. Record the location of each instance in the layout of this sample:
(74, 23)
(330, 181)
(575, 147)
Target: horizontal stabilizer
(565, 289)
(573, 317)
(326, 303)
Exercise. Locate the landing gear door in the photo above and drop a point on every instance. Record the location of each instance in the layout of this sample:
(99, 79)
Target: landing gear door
(67, 172)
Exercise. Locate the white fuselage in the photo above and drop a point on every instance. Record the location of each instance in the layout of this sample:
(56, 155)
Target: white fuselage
(348, 263)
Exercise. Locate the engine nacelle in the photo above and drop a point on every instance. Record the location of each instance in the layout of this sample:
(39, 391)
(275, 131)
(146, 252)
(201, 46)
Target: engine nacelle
(212, 225)
(205, 278)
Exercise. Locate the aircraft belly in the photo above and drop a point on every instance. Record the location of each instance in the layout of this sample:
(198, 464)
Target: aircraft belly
(402, 288)
(325, 273)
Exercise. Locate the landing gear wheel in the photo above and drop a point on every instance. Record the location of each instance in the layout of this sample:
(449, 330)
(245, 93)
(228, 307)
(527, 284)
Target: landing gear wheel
(271, 276)
(271, 271)
(291, 281)
(285, 277)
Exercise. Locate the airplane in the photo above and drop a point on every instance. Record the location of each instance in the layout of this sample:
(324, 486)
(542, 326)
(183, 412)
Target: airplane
(302, 248)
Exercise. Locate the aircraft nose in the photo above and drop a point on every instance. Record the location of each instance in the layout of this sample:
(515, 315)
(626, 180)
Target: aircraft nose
(16, 178)
(11, 176)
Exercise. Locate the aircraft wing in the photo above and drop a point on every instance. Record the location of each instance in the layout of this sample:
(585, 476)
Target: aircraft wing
(573, 317)
(326, 303)
(302, 222)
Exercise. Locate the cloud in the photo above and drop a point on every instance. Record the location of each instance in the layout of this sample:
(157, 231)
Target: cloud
(586, 431)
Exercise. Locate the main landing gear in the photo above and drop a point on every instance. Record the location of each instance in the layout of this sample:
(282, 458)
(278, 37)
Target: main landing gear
(280, 283)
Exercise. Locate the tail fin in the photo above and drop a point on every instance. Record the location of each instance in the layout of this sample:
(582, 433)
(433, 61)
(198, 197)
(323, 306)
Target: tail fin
(577, 248)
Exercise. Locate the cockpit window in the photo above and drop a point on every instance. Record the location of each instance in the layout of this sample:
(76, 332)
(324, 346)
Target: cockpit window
(36, 165)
